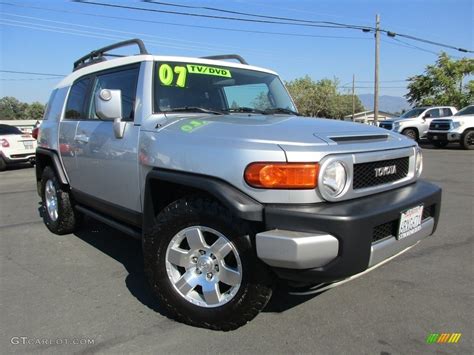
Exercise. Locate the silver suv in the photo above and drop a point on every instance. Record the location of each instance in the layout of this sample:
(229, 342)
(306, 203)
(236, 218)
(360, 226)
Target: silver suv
(207, 162)
(416, 122)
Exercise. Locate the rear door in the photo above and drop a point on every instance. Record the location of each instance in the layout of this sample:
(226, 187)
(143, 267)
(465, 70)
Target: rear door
(108, 166)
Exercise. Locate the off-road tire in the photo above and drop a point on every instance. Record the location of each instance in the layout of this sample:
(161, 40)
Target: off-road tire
(3, 165)
(411, 133)
(439, 144)
(467, 140)
(68, 219)
(257, 281)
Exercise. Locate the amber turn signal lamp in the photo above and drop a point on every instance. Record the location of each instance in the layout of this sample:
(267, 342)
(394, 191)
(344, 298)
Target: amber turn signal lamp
(282, 175)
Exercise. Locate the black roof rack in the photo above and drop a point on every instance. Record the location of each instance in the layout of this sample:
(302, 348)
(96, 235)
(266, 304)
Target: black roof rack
(227, 56)
(99, 55)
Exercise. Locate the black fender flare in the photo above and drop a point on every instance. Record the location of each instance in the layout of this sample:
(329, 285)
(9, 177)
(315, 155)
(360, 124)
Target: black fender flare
(54, 157)
(242, 205)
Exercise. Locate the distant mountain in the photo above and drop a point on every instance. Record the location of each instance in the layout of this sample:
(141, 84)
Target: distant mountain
(386, 103)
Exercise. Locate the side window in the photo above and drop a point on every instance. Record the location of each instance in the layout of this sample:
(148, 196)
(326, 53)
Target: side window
(434, 113)
(125, 81)
(77, 99)
(446, 112)
(47, 111)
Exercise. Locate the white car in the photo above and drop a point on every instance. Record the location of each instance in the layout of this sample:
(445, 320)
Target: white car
(415, 123)
(458, 128)
(15, 146)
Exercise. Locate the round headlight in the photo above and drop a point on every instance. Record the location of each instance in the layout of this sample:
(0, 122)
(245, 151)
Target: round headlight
(334, 178)
(419, 162)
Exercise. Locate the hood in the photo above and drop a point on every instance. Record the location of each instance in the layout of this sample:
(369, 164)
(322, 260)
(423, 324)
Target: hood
(276, 129)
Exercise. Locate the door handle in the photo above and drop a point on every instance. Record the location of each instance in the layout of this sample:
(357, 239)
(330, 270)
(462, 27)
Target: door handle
(81, 138)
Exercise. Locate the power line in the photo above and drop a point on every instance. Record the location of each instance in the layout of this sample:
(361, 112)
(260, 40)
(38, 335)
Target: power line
(254, 15)
(287, 34)
(302, 22)
(74, 31)
(29, 73)
(29, 79)
(210, 16)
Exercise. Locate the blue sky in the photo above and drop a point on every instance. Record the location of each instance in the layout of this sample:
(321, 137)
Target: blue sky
(37, 40)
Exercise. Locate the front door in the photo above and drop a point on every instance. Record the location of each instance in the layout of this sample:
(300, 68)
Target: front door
(106, 166)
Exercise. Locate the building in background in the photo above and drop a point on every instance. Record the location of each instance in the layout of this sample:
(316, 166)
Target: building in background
(367, 117)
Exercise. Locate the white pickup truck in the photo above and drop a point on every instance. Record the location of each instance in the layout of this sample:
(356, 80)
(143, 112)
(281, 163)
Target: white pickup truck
(457, 128)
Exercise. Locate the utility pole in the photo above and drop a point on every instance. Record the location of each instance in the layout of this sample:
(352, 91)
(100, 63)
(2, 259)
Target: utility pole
(353, 96)
(376, 78)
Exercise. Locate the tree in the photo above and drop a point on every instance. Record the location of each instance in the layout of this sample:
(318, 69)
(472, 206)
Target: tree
(321, 98)
(443, 83)
(12, 109)
(35, 111)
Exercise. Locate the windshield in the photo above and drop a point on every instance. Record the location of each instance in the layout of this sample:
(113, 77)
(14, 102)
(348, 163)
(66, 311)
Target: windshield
(469, 110)
(413, 113)
(187, 86)
(6, 129)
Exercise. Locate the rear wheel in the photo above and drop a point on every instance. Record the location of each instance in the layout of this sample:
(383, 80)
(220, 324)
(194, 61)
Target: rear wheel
(440, 144)
(57, 209)
(467, 140)
(201, 265)
(410, 133)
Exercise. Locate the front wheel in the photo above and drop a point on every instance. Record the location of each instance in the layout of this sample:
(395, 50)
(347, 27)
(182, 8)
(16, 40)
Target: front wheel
(202, 267)
(410, 133)
(467, 140)
(3, 165)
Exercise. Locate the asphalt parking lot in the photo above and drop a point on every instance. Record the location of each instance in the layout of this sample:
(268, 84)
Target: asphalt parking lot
(90, 287)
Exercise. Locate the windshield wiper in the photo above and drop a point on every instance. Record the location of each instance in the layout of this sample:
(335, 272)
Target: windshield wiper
(194, 109)
(270, 111)
(244, 109)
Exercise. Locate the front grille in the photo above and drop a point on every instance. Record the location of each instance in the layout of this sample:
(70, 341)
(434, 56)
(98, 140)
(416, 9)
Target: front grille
(428, 211)
(388, 126)
(440, 126)
(385, 230)
(365, 173)
(390, 229)
(439, 136)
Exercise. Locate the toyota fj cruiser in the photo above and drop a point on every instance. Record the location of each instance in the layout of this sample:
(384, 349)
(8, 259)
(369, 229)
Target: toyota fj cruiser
(458, 128)
(207, 162)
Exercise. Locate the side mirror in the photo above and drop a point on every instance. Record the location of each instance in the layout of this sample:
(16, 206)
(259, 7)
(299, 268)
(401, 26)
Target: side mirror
(427, 115)
(108, 107)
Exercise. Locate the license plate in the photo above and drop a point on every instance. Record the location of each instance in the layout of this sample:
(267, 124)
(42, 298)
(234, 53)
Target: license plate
(28, 145)
(410, 222)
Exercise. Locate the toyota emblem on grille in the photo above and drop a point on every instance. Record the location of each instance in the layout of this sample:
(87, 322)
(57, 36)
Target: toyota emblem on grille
(386, 170)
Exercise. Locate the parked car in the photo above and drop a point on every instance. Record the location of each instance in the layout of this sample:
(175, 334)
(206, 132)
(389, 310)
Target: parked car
(416, 122)
(458, 128)
(15, 146)
(208, 163)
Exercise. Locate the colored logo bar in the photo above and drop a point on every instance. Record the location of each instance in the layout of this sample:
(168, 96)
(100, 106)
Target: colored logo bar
(443, 338)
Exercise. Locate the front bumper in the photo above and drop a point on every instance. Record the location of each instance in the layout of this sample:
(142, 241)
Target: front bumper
(332, 241)
(444, 136)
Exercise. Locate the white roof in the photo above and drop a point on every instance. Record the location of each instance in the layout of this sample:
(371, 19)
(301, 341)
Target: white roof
(112, 63)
